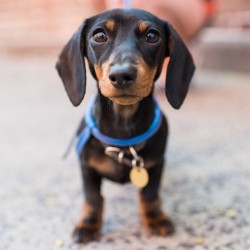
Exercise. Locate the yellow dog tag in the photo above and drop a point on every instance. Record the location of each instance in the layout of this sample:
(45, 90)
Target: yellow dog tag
(139, 177)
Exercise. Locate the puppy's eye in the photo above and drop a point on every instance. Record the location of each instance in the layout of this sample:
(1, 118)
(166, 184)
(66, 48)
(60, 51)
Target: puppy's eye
(152, 36)
(99, 36)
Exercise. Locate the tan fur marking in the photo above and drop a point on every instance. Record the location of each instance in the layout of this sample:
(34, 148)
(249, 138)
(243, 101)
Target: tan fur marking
(145, 78)
(88, 230)
(141, 88)
(88, 210)
(98, 71)
(110, 25)
(143, 26)
(160, 224)
(125, 111)
(103, 164)
(147, 207)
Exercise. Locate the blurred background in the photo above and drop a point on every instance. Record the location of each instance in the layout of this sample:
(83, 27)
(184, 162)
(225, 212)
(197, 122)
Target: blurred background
(42, 27)
(206, 186)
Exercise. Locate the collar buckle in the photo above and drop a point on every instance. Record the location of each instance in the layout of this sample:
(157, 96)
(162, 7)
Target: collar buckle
(121, 156)
(138, 160)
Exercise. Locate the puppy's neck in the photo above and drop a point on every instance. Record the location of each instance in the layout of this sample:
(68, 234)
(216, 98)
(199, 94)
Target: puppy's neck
(125, 111)
(121, 121)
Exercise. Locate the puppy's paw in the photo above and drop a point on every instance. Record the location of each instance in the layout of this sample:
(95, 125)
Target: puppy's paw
(158, 224)
(89, 226)
(154, 220)
(86, 232)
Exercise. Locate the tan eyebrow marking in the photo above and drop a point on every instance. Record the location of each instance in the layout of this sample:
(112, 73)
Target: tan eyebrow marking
(143, 26)
(98, 71)
(110, 24)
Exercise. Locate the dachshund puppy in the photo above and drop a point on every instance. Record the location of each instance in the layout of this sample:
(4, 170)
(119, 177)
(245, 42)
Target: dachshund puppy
(123, 135)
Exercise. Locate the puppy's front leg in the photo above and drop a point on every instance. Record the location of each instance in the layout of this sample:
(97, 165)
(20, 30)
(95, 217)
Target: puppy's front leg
(153, 218)
(90, 222)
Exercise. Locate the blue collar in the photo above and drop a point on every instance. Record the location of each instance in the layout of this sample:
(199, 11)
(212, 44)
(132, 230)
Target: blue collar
(91, 129)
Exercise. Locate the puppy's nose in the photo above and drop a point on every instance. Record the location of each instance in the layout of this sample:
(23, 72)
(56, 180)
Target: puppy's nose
(122, 75)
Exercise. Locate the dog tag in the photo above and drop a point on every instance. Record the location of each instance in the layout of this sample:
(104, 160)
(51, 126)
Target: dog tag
(139, 177)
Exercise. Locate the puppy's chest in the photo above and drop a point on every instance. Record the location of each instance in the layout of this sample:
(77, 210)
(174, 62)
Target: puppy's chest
(108, 166)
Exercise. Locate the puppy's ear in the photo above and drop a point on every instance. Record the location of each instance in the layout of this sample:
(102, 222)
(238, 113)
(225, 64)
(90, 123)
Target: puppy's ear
(180, 68)
(71, 67)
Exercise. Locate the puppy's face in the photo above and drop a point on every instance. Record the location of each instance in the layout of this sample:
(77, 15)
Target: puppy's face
(125, 51)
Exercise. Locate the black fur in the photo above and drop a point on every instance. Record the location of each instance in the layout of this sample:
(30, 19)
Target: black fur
(125, 43)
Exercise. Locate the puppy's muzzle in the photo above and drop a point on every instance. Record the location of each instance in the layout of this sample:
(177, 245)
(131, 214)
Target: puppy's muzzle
(123, 75)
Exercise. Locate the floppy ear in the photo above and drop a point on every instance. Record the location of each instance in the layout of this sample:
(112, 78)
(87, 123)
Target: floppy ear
(71, 67)
(180, 68)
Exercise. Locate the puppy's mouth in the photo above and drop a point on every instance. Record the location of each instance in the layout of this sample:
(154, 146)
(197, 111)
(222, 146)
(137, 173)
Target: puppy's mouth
(125, 99)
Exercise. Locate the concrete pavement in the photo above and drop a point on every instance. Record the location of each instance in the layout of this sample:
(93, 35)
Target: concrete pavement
(205, 188)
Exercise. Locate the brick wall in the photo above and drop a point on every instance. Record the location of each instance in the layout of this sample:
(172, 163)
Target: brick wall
(39, 24)
(45, 25)
(233, 5)
(233, 13)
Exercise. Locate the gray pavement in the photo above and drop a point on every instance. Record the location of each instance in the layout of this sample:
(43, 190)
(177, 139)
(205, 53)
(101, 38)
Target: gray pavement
(205, 188)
